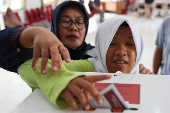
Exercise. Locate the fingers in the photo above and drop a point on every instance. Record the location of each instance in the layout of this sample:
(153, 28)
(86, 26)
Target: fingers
(95, 78)
(36, 55)
(46, 43)
(77, 91)
(91, 89)
(146, 71)
(141, 66)
(74, 90)
(44, 60)
(84, 84)
(54, 57)
(69, 98)
(83, 89)
(87, 94)
(151, 73)
(65, 53)
(60, 62)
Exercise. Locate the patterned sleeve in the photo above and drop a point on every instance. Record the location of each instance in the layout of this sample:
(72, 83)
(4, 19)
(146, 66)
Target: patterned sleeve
(12, 54)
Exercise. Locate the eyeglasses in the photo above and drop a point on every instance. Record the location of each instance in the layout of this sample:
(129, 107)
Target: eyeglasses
(67, 22)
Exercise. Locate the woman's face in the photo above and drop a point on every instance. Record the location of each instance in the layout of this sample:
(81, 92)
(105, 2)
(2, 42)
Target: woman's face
(121, 54)
(71, 37)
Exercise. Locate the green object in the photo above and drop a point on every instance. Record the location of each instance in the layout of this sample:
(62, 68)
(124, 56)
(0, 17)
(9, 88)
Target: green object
(54, 82)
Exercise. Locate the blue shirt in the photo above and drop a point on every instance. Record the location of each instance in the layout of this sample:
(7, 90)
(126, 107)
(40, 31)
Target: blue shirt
(90, 6)
(81, 1)
(12, 54)
(163, 41)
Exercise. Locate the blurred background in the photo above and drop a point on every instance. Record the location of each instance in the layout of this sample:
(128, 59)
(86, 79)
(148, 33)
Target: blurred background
(25, 13)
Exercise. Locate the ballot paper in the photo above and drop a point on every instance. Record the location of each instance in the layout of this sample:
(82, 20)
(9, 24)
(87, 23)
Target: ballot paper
(129, 92)
(111, 99)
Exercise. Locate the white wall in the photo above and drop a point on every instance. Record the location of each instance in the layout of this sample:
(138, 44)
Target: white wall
(2, 26)
(32, 4)
(29, 5)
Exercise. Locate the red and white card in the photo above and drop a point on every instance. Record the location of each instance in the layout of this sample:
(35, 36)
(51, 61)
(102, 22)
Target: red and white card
(111, 99)
(129, 92)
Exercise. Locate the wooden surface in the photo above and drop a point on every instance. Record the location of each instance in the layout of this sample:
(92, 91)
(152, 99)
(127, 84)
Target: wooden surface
(114, 6)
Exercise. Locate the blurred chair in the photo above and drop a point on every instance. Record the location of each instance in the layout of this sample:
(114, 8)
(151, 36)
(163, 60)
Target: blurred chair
(35, 16)
(28, 15)
(92, 14)
(18, 16)
(40, 13)
(161, 7)
(49, 11)
(25, 24)
(141, 7)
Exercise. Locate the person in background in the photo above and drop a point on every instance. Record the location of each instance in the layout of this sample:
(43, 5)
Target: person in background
(11, 19)
(97, 2)
(149, 9)
(81, 1)
(94, 8)
(119, 47)
(162, 51)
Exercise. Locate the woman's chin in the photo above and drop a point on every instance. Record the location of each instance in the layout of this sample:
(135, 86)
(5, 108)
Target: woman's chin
(72, 45)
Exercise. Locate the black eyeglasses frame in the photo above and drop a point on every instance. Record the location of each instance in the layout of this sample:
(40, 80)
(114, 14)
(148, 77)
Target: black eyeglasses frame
(86, 21)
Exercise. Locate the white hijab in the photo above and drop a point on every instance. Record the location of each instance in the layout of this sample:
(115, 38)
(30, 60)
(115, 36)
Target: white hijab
(103, 39)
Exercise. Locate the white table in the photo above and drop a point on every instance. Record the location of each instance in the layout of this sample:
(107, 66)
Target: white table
(154, 96)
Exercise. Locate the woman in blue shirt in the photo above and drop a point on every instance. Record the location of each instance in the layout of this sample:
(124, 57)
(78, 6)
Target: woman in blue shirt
(162, 51)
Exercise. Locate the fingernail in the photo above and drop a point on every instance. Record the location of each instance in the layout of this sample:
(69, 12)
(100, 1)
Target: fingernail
(68, 60)
(54, 68)
(108, 76)
(43, 72)
(100, 101)
(33, 68)
(87, 107)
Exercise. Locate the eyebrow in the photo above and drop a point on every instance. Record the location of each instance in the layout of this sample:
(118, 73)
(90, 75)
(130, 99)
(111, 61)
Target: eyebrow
(127, 37)
(130, 37)
(69, 16)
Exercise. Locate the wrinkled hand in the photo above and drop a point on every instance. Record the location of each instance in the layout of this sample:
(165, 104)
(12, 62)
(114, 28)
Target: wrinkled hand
(46, 43)
(144, 70)
(82, 88)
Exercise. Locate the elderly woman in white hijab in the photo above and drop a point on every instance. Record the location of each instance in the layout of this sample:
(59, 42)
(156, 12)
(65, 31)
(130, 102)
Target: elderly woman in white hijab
(119, 47)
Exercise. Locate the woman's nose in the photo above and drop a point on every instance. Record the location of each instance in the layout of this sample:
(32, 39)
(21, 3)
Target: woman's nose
(121, 50)
(73, 27)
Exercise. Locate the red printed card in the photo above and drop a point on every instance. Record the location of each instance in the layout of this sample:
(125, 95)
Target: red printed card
(129, 92)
